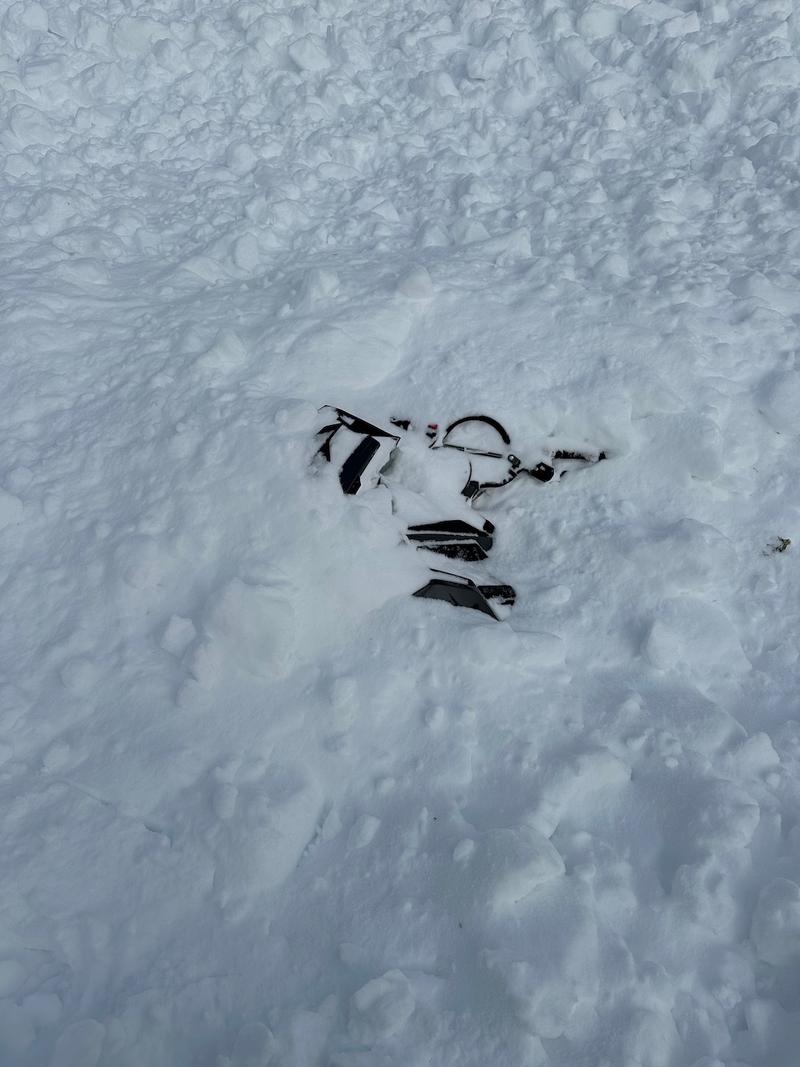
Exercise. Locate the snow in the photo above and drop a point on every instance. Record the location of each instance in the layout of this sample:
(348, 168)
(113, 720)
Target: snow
(260, 806)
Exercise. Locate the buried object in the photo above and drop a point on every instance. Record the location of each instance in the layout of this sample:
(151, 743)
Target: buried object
(464, 593)
(356, 444)
(363, 452)
(454, 538)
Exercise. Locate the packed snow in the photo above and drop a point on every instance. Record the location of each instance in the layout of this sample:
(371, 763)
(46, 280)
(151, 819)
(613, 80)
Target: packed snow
(260, 806)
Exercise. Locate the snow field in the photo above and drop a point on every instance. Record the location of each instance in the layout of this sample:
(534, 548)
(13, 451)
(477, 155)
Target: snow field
(260, 807)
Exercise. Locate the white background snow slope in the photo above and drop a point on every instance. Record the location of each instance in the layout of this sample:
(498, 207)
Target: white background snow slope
(258, 806)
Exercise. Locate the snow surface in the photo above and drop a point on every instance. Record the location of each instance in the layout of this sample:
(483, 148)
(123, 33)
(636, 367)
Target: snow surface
(258, 805)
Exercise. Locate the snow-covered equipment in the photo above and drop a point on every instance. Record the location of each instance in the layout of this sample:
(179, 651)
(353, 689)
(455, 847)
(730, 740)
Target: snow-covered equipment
(363, 453)
(494, 600)
(453, 538)
(360, 449)
(482, 475)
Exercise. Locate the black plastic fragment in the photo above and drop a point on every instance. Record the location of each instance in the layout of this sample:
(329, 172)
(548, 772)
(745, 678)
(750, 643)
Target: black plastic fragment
(477, 418)
(355, 465)
(359, 459)
(358, 425)
(469, 551)
(506, 594)
(458, 594)
(564, 453)
(453, 538)
(542, 472)
(462, 592)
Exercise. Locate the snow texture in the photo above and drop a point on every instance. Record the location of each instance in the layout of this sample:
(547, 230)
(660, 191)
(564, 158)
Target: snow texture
(259, 805)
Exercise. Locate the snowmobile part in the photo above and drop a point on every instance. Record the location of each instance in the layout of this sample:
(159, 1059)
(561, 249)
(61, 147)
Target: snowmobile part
(464, 593)
(474, 486)
(358, 460)
(562, 453)
(505, 594)
(401, 424)
(453, 538)
(489, 421)
(542, 472)
(354, 423)
(355, 465)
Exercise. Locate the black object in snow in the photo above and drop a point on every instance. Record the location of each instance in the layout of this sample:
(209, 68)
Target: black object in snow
(542, 472)
(454, 538)
(355, 465)
(464, 593)
(369, 440)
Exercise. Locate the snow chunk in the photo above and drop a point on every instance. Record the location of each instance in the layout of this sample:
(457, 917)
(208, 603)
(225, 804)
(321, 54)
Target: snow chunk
(509, 248)
(598, 21)
(775, 931)
(557, 969)
(263, 826)
(508, 865)
(246, 254)
(142, 562)
(651, 1039)
(227, 353)
(359, 352)
(223, 800)
(310, 53)
(206, 268)
(756, 286)
(30, 15)
(570, 787)
(178, 635)
(694, 442)
(80, 675)
(381, 1008)
(253, 626)
(254, 1046)
(689, 556)
(643, 22)
(364, 829)
(318, 285)
(541, 649)
(774, 148)
(240, 158)
(12, 975)
(573, 59)
(11, 509)
(136, 35)
(779, 401)
(782, 71)
(40, 72)
(416, 284)
(613, 265)
(80, 1045)
(690, 634)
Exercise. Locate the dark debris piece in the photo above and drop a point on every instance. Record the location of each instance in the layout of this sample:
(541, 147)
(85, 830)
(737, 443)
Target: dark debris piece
(780, 544)
(355, 465)
(464, 593)
(453, 538)
(364, 451)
